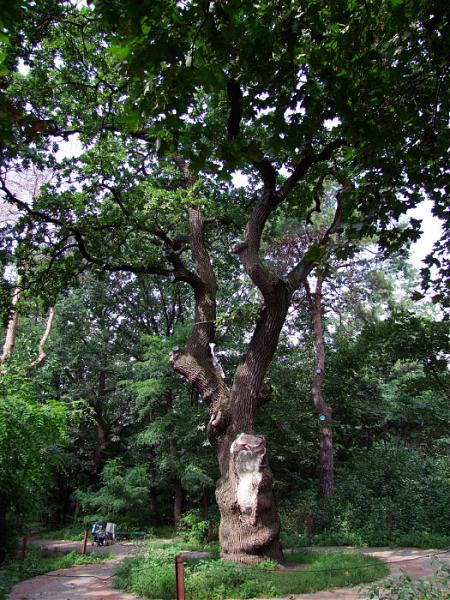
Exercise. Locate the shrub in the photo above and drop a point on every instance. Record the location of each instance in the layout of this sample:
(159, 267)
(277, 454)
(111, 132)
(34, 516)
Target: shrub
(123, 495)
(405, 588)
(218, 579)
(413, 486)
(152, 574)
(193, 529)
(74, 533)
(422, 539)
(32, 434)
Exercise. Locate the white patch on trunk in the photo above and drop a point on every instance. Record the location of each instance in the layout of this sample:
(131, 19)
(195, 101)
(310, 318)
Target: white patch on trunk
(248, 452)
(215, 362)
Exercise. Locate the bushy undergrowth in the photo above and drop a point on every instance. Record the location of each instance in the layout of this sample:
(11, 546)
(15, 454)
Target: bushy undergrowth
(414, 487)
(193, 529)
(122, 497)
(152, 575)
(39, 561)
(364, 538)
(75, 533)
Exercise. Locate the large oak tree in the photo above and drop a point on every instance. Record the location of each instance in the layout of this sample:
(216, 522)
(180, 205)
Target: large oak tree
(168, 99)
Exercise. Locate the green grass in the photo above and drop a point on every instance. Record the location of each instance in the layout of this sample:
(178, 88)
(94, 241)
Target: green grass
(152, 575)
(39, 561)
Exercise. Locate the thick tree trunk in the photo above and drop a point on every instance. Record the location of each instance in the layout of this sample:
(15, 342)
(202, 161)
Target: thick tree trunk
(250, 526)
(324, 411)
(249, 523)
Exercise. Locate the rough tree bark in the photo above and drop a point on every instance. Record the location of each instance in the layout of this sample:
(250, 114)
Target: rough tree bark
(249, 526)
(324, 410)
(249, 522)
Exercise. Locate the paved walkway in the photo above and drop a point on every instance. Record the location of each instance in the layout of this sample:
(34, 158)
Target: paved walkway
(94, 581)
(77, 583)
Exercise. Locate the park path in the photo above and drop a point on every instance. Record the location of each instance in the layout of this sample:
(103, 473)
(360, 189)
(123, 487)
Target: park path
(95, 581)
(413, 561)
(83, 582)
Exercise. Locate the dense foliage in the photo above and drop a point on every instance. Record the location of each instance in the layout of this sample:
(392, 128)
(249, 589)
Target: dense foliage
(370, 484)
(32, 432)
(336, 114)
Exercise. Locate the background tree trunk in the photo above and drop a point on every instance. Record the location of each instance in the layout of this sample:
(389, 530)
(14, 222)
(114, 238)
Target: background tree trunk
(11, 329)
(3, 529)
(41, 346)
(324, 411)
(178, 502)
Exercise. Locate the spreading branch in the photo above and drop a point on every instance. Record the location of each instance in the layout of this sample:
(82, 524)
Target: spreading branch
(195, 362)
(248, 250)
(302, 166)
(300, 272)
(149, 269)
(189, 178)
(268, 174)
(41, 351)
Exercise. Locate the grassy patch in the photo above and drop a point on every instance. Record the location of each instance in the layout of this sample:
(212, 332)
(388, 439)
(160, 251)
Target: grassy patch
(39, 561)
(152, 575)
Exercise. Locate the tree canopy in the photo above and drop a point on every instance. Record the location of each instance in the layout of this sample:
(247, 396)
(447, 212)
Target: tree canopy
(167, 101)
